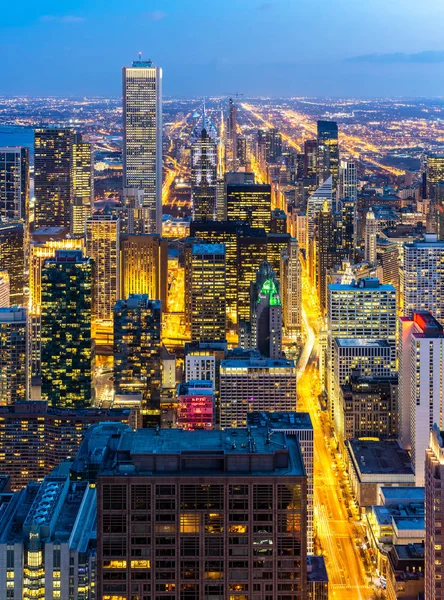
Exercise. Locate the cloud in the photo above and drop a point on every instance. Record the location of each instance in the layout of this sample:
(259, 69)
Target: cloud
(155, 15)
(61, 19)
(427, 56)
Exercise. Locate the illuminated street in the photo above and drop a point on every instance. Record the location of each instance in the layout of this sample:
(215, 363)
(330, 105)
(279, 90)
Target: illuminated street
(336, 532)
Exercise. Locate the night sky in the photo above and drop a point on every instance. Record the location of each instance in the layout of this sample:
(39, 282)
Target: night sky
(275, 47)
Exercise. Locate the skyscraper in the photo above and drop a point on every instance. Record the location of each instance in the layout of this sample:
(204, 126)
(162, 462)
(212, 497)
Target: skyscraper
(66, 345)
(364, 310)
(328, 152)
(142, 137)
(421, 384)
(434, 492)
(13, 355)
(103, 246)
(12, 257)
(348, 226)
(14, 183)
(144, 266)
(291, 289)
(423, 276)
(371, 230)
(5, 298)
(206, 272)
(250, 203)
(348, 181)
(231, 136)
(266, 313)
(200, 496)
(137, 352)
(328, 253)
(52, 177)
(314, 206)
(82, 185)
(310, 158)
(434, 173)
(204, 157)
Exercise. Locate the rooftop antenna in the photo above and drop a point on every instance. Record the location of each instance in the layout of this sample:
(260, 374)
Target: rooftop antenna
(140, 56)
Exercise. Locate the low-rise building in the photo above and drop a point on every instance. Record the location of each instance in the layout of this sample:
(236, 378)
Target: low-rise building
(405, 572)
(376, 463)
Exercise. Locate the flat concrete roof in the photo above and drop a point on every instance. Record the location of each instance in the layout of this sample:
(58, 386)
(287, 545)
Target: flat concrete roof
(380, 457)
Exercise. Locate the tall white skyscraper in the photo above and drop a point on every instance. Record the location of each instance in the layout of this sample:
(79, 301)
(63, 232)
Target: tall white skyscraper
(142, 137)
(348, 181)
(421, 385)
(371, 230)
(423, 276)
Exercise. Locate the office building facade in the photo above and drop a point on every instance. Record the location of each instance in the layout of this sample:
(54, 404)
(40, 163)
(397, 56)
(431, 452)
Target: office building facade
(14, 355)
(82, 185)
(142, 137)
(12, 258)
(137, 353)
(14, 183)
(250, 203)
(66, 343)
(52, 177)
(208, 524)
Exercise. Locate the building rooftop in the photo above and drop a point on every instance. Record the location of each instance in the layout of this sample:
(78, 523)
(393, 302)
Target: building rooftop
(257, 363)
(379, 457)
(366, 283)
(429, 241)
(390, 493)
(362, 343)
(167, 452)
(316, 570)
(280, 420)
(208, 249)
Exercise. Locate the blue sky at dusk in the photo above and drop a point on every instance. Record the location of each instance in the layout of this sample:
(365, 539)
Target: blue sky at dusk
(274, 47)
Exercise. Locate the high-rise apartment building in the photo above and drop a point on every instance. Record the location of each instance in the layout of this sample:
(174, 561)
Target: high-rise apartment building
(206, 273)
(142, 137)
(14, 183)
(103, 246)
(82, 185)
(204, 157)
(12, 257)
(250, 203)
(423, 276)
(52, 177)
(434, 492)
(213, 513)
(14, 355)
(421, 384)
(137, 353)
(434, 172)
(251, 383)
(66, 344)
(328, 153)
(266, 313)
(291, 289)
(144, 266)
